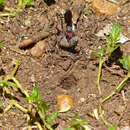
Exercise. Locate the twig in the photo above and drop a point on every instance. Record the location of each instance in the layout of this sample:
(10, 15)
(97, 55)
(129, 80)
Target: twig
(118, 89)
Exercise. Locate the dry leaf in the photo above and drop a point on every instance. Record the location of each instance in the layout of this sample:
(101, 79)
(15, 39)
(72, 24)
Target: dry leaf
(64, 102)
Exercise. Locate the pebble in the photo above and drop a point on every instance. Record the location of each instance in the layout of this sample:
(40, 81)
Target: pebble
(105, 7)
(38, 49)
(82, 100)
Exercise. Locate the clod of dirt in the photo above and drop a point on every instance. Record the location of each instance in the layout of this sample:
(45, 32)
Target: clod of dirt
(105, 7)
(38, 49)
(64, 102)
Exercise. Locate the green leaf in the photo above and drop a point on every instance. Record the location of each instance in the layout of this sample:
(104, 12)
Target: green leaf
(1, 103)
(79, 122)
(102, 50)
(128, 63)
(7, 83)
(10, 84)
(96, 54)
(50, 118)
(108, 41)
(54, 115)
(43, 106)
(1, 1)
(28, 3)
(35, 96)
(75, 115)
(116, 30)
(1, 45)
(112, 127)
(124, 61)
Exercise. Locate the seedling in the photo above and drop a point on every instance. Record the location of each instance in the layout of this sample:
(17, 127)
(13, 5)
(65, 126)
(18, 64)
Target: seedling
(106, 52)
(101, 61)
(77, 124)
(35, 103)
(41, 108)
(125, 61)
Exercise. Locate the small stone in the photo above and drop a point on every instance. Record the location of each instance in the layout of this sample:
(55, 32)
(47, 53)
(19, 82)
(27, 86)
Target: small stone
(105, 7)
(64, 102)
(82, 100)
(38, 49)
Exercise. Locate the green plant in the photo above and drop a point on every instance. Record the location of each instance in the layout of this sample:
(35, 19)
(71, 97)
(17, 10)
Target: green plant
(35, 103)
(106, 52)
(75, 123)
(2, 1)
(41, 108)
(104, 55)
(112, 127)
(28, 3)
(125, 61)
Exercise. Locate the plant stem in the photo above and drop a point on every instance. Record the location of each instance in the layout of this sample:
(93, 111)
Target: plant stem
(119, 88)
(99, 75)
(39, 125)
(8, 9)
(7, 109)
(20, 87)
(101, 112)
(20, 107)
(19, 5)
(16, 68)
(27, 95)
(7, 15)
(42, 116)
